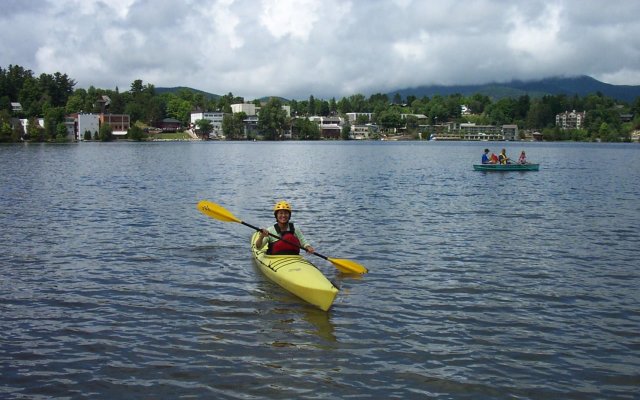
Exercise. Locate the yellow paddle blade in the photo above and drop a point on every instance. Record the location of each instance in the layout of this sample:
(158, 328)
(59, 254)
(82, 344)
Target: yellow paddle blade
(216, 211)
(348, 266)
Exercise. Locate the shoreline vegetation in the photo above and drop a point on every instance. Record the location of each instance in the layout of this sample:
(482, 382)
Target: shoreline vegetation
(41, 109)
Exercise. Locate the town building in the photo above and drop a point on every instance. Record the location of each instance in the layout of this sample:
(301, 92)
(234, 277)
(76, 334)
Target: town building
(330, 127)
(168, 125)
(79, 124)
(86, 123)
(216, 119)
(359, 132)
(571, 120)
(247, 108)
(119, 123)
(353, 116)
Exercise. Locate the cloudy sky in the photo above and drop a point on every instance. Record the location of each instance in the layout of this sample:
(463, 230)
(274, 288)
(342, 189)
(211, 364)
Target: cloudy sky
(328, 48)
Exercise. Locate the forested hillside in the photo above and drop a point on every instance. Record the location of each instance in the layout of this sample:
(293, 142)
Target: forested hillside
(54, 96)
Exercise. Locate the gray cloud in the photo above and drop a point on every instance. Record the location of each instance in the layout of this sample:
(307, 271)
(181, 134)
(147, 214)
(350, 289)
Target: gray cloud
(331, 48)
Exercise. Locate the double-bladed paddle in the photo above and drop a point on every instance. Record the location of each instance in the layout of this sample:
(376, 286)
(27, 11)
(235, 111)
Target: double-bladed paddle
(218, 212)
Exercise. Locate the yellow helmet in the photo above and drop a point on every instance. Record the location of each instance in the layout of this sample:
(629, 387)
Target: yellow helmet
(281, 205)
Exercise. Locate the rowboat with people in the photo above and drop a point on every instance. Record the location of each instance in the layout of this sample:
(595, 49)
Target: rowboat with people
(506, 167)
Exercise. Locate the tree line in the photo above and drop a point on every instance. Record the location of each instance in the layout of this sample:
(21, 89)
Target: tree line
(52, 96)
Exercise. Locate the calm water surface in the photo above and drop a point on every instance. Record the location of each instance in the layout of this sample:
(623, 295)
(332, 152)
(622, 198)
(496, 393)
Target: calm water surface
(481, 285)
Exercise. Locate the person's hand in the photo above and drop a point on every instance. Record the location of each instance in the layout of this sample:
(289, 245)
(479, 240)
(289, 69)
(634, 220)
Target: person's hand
(264, 233)
(310, 249)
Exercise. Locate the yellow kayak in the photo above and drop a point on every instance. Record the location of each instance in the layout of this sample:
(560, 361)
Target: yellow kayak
(296, 275)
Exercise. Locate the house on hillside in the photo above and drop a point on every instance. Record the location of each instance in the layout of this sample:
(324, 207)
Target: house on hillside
(571, 120)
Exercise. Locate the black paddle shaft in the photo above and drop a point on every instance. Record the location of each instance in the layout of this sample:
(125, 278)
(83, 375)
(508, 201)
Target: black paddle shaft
(284, 240)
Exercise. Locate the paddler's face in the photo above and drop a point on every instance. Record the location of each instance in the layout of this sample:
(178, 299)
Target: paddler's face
(282, 216)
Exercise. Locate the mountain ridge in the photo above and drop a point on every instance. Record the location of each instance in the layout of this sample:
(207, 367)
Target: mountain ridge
(582, 85)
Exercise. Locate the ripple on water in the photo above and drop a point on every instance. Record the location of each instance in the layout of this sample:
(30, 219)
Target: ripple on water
(481, 286)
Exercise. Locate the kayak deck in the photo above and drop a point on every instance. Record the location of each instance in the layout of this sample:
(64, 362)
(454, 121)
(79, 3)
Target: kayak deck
(295, 274)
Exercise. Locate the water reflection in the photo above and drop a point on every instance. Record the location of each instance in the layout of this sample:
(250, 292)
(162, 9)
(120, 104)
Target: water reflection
(291, 315)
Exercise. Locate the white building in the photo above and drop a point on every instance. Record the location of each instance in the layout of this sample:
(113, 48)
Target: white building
(87, 123)
(25, 123)
(570, 120)
(360, 132)
(250, 109)
(353, 116)
(247, 108)
(215, 118)
(510, 132)
(330, 127)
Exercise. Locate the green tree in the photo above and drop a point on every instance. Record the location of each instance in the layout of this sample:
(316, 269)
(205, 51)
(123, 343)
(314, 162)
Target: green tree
(17, 133)
(311, 110)
(344, 106)
(358, 103)
(501, 112)
(34, 131)
(61, 132)
(179, 109)
(305, 129)
(52, 117)
(362, 119)
(345, 132)
(322, 108)
(273, 120)
(437, 110)
(5, 126)
(390, 119)
(477, 103)
(205, 127)
(225, 102)
(106, 133)
(412, 123)
(76, 102)
(539, 115)
(233, 125)
(136, 133)
(5, 132)
(333, 106)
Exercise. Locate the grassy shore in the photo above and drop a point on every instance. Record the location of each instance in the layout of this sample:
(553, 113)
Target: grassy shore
(171, 136)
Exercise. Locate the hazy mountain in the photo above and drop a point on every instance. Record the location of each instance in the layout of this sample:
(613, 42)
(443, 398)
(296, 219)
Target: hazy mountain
(580, 85)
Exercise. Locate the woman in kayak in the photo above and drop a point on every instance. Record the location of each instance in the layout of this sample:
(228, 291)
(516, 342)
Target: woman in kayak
(292, 239)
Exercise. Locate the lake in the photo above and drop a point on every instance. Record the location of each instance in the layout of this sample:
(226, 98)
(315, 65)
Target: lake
(518, 285)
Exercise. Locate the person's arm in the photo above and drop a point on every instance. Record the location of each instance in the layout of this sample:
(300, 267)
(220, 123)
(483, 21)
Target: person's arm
(264, 234)
(303, 242)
